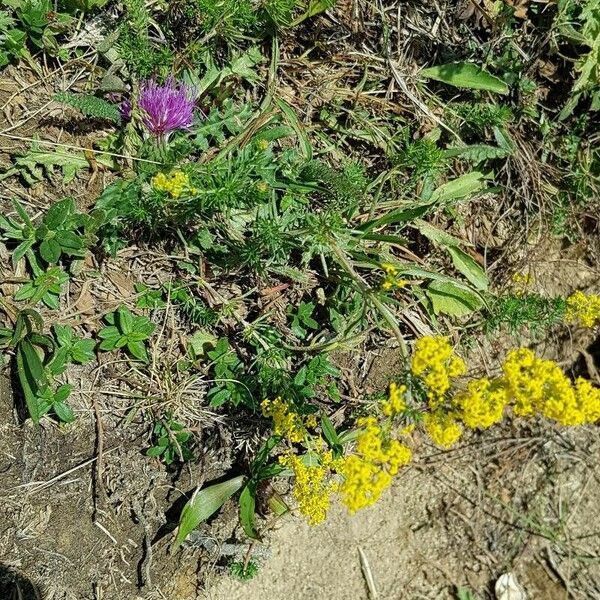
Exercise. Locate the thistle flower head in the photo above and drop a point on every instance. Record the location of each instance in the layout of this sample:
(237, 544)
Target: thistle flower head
(166, 107)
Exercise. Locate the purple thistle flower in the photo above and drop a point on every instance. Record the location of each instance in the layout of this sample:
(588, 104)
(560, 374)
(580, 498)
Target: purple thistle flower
(166, 107)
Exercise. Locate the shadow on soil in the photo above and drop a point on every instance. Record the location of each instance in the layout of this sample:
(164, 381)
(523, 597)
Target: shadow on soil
(14, 586)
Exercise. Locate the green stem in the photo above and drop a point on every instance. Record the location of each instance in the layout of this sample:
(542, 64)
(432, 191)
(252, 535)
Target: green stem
(368, 291)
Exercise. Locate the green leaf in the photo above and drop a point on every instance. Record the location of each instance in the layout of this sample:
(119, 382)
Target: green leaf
(22, 213)
(31, 376)
(203, 504)
(436, 235)
(219, 397)
(25, 292)
(63, 412)
(124, 320)
(450, 299)
(461, 187)
(466, 75)
(70, 242)
(330, 434)
(247, 510)
(83, 351)
(478, 153)
(91, 106)
(21, 250)
(155, 451)
(50, 251)
(57, 214)
(263, 454)
(109, 333)
(63, 334)
(63, 392)
(138, 350)
(472, 270)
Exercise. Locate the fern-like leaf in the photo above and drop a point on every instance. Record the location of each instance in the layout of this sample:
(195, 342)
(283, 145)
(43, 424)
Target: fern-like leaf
(91, 106)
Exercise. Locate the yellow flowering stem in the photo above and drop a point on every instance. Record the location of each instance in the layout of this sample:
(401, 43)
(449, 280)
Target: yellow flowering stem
(367, 291)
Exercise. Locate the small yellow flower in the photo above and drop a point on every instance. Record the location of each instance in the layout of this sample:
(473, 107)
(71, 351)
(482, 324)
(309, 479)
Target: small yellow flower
(262, 145)
(368, 472)
(174, 184)
(539, 386)
(482, 404)
(312, 487)
(286, 421)
(364, 482)
(583, 309)
(391, 279)
(442, 428)
(395, 403)
(436, 364)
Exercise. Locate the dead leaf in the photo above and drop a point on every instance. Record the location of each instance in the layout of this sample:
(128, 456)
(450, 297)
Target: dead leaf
(122, 282)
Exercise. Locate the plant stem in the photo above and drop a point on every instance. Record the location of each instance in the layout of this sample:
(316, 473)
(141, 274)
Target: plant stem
(368, 291)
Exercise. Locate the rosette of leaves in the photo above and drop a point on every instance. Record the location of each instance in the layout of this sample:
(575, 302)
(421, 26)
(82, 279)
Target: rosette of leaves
(126, 330)
(62, 231)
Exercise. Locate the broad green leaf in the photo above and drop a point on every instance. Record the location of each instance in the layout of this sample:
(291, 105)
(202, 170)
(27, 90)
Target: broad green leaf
(461, 187)
(436, 235)
(138, 350)
(125, 320)
(57, 214)
(155, 451)
(472, 270)
(63, 412)
(330, 434)
(31, 376)
(203, 504)
(63, 392)
(70, 241)
(450, 299)
(466, 75)
(247, 510)
(50, 251)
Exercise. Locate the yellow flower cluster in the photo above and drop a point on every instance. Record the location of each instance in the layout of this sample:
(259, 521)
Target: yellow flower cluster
(312, 487)
(522, 282)
(436, 364)
(395, 404)
(174, 184)
(369, 472)
(391, 280)
(539, 386)
(583, 309)
(530, 386)
(443, 429)
(286, 421)
(482, 403)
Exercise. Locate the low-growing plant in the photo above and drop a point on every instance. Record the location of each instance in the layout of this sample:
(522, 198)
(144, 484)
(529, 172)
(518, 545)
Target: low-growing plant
(170, 440)
(46, 286)
(35, 354)
(33, 22)
(242, 570)
(128, 331)
(63, 231)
